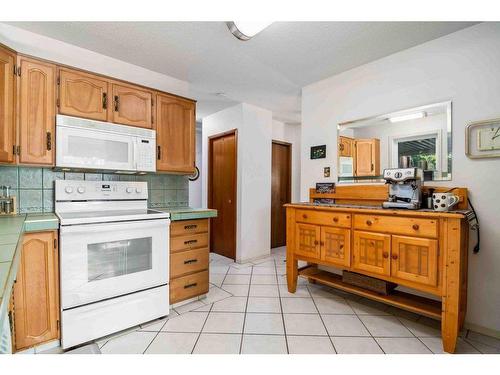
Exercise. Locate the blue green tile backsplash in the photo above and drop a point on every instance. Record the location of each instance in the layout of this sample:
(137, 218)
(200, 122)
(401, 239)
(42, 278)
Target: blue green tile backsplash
(34, 187)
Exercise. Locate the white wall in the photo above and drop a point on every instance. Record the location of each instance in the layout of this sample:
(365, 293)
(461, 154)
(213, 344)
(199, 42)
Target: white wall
(290, 133)
(67, 54)
(463, 67)
(254, 127)
(195, 186)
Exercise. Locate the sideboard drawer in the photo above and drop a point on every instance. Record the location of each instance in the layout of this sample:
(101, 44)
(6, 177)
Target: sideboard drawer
(185, 227)
(397, 225)
(336, 219)
(188, 286)
(190, 261)
(193, 241)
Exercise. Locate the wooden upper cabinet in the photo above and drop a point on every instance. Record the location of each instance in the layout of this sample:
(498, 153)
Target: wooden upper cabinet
(7, 105)
(336, 246)
(83, 95)
(131, 106)
(37, 107)
(307, 240)
(371, 252)
(36, 291)
(345, 146)
(367, 157)
(415, 259)
(175, 134)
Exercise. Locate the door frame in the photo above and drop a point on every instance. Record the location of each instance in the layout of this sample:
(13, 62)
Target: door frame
(289, 189)
(235, 182)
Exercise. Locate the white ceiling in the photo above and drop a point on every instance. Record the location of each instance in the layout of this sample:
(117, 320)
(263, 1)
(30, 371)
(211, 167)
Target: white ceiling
(268, 71)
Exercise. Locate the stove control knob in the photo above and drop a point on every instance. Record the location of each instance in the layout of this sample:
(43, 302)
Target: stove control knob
(68, 189)
(80, 190)
(138, 190)
(129, 190)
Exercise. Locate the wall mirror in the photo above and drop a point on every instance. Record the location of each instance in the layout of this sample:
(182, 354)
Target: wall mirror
(416, 137)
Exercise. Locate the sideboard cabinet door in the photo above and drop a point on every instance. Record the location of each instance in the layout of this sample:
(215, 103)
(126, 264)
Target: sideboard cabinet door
(307, 240)
(336, 246)
(371, 252)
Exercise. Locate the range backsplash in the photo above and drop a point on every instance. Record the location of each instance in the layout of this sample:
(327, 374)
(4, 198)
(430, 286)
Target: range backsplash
(34, 187)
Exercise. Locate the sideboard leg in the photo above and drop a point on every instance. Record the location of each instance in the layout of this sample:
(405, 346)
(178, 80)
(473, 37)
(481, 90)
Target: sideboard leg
(450, 325)
(291, 273)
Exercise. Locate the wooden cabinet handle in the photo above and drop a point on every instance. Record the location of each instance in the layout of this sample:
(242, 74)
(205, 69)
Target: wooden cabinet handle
(117, 103)
(321, 243)
(190, 242)
(341, 147)
(394, 256)
(341, 246)
(191, 226)
(190, 261)
(316, 242)
(385, 254)
(158, 152)
(369, 222)
(304, 216)
(49, 141)
(415, 226)
(104, 100)
(335, 219)
(187, 286)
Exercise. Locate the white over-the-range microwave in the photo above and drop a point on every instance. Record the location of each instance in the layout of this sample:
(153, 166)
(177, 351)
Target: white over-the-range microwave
(96, 145)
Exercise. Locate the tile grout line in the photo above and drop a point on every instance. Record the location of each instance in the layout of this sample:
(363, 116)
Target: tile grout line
(246, 308)
(415, 336)
(321, 318)
(281, 308)
(201, 330)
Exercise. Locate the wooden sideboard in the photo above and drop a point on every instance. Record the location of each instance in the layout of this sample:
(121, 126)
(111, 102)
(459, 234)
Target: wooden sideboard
(422, 250)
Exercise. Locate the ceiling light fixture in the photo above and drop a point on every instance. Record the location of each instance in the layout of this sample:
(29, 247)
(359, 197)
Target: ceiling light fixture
(246, 30)
(411, 116)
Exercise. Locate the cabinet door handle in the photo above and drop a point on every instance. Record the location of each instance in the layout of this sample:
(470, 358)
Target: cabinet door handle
(316, 242)
(104, 100)
(190, 242)
(385, 254)
(415, 226)
(191, 226)
(117, 103)
(369, 222)
(341, 147)
(49, 141)
(394, 256)
(322, 243)
(158, 153)
(190, 261)
(187, 286)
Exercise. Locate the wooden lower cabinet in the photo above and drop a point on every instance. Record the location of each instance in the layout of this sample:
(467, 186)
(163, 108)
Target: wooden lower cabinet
(308, 240)
(336, 246)
(36, 291)
(189, 259)
(371, 252)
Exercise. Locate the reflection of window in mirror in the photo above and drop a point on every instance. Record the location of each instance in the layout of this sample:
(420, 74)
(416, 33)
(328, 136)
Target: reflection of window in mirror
(417, 137)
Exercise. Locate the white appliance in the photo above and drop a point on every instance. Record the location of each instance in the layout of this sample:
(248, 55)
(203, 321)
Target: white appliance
(346, 166)
(114, 258)
(97, 145)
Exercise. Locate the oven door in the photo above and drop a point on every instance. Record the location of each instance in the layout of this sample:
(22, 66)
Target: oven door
(93, 149)
(100, 261)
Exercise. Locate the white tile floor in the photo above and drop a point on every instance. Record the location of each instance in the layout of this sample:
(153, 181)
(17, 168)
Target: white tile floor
(249, 310)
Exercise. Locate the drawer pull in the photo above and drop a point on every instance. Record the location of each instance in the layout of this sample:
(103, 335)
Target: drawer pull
(415, 226)
(190, 261)
(190, 242)
(191, 226)
(385, 254)
(304, 216)
(316, 242)
(394, 256)
(335, 219)
(369, 222)
(187, 286)
(341, 246)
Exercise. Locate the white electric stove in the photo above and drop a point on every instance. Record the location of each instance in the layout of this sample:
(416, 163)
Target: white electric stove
(114, 258)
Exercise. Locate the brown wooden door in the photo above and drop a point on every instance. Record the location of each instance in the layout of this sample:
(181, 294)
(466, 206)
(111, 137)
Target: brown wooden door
(336, 246)
(175, 134)
(280, 191)
(36, 291)
(308, 240)
(345, 146)
(222, 193)
(414, 259)
(83, 95)
(367, 157)
(131, 106)
(37, 107)
(371, 252)
(7, 105)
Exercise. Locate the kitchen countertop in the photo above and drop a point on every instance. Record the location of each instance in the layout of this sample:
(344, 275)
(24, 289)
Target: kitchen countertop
(187, 213)
(12, 229)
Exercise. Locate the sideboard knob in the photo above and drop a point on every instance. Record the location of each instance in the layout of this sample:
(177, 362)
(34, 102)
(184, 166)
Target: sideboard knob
(385, 254)
(335, 219)
(369, 222)
(415, 226)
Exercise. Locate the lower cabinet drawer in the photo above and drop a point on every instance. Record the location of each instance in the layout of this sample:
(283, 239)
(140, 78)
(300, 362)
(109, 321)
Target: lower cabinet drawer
(416, 227)
(188, 286)
(192, 241)
(189, 261)
(336, 219)
(185, 227)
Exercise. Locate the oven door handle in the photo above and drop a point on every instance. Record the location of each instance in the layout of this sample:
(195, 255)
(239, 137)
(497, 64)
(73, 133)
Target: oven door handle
(114, 226)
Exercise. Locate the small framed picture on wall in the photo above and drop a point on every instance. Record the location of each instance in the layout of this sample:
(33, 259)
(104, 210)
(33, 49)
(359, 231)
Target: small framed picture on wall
(318, 152)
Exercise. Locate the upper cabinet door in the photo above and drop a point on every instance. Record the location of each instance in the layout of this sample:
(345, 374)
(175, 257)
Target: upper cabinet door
(131, 106)
(367, 156)
(345, 146)
(83, 95)
(175, 134)
(7, 103)
(37, 108)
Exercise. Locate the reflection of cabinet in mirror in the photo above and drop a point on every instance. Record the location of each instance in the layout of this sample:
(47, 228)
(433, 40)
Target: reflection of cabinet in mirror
(345, 146)
(367, 157)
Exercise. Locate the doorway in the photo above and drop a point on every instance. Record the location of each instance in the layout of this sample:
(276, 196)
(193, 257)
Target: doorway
(281, 190)
(222, 162)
